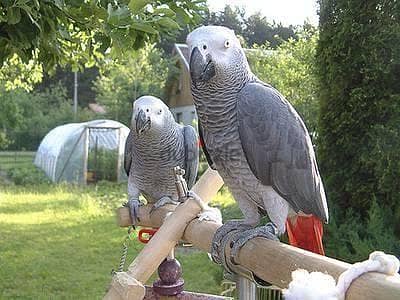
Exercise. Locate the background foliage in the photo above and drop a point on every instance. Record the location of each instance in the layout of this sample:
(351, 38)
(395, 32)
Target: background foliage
(58, 32)
(138, 73)
(359, 71)
(26, 117)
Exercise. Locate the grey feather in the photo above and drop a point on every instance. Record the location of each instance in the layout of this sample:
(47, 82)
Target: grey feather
(191, 154)
(278, 149)
(128, 153)
(204, 147)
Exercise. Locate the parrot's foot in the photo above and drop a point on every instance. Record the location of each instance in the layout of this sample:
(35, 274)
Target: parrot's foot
(163, 201)
(222, 236)
(212, 214)
(268, 231)
(133, 206)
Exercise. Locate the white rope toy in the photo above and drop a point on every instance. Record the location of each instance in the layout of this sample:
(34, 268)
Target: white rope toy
(317, 285)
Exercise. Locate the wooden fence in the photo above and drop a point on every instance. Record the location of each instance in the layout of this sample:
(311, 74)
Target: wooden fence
(11, 159)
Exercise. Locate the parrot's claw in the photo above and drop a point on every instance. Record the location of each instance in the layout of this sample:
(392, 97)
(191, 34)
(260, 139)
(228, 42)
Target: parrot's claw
(163, 201)
(212, 214)
(221, 237)
(268, 231)
(133, 205)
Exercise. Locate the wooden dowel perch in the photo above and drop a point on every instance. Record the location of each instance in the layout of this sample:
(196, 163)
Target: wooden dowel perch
(269, 260)
(163, 241)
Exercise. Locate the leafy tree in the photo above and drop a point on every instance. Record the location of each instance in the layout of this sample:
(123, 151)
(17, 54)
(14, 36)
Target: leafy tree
(10, 115)
(16, 74)
(31, 115)
(140, 72)
(258, 31)
(73, 32)
(86, 78)
(359, 72)
(291, 69)
(232, 17)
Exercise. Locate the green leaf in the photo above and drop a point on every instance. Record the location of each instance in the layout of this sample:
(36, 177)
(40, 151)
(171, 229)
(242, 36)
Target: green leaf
(64, 34)
(144, 27)
(59, 3)
(119, 17)
(169, 24)
(136, 5)
(164, 11)
(13, 15)
(104, 41)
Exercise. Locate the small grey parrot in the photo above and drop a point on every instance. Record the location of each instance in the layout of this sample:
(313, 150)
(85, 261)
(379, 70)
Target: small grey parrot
(258, 143)
(155, 145)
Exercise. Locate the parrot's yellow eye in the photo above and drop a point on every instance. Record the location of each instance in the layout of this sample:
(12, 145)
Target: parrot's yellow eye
(227, 44)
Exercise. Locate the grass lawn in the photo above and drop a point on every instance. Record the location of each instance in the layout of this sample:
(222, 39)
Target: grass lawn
(61, 242)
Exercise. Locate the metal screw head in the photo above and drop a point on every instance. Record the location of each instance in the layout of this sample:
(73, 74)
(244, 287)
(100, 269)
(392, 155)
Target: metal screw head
(179, 171)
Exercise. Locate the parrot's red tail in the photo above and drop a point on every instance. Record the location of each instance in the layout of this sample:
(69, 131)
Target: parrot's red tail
(306, 232)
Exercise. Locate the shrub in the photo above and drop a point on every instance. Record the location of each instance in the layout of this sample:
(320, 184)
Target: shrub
(29, 175)
(358, 59)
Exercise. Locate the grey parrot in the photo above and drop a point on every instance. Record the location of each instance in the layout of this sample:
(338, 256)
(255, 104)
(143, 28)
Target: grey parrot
(155, 145)
(259, 145)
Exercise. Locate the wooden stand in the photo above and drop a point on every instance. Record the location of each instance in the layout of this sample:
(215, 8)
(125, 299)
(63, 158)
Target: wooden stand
(163, 241)
(271, 261)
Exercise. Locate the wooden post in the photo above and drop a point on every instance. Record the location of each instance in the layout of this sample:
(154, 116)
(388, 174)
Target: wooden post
(120, 154)
(85, 154)
(166, 237)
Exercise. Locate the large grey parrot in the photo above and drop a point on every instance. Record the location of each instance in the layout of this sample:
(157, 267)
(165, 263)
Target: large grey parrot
(155, 145)
(257, 142)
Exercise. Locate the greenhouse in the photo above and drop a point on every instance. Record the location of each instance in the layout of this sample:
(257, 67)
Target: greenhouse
(84, 152)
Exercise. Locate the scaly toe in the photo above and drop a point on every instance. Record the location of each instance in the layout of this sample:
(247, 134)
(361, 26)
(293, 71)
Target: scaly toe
(268, 231)
(224, 230)
(133, 206)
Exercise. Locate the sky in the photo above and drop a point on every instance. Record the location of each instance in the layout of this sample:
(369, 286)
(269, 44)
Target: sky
(287, 12)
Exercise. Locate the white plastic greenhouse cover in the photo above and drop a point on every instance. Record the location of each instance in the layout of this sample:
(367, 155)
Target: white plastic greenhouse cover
(62, 154)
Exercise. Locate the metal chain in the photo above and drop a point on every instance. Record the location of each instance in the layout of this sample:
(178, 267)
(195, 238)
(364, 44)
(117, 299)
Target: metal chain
(124, 254)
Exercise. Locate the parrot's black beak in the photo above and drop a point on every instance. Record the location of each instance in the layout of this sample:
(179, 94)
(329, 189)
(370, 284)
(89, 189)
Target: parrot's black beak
(143, 122)
(202, 68)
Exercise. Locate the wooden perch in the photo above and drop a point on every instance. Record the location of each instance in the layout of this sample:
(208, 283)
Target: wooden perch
(274, 262)
(269, 260)
(163, 241)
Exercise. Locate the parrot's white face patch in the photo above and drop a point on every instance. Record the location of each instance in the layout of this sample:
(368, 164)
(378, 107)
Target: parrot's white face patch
(216, 42)
(152, 109)
(212, 38)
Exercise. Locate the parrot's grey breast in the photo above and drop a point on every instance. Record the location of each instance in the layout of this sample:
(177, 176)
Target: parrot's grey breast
(218, 119)
(152, 168)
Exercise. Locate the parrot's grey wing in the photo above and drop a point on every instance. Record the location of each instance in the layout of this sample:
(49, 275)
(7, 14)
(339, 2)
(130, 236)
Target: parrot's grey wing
(128, 153)
(191, 154)
(278, 148)
(204, 147)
